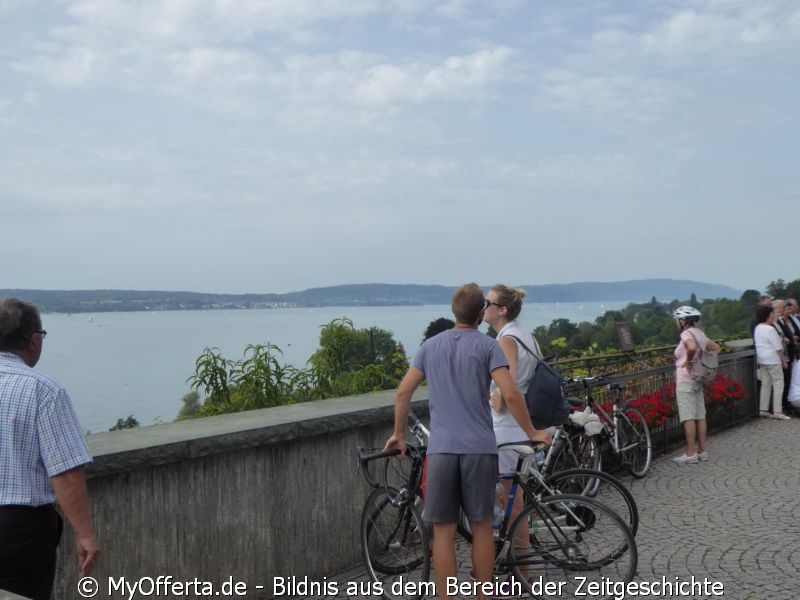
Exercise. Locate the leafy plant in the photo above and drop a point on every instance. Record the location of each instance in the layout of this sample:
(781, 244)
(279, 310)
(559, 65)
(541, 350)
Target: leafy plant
(129, 423)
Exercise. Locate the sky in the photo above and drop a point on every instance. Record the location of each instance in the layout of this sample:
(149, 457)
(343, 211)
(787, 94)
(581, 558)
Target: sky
(238, 146)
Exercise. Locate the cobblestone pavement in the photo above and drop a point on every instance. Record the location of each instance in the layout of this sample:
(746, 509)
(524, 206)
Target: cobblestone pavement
(734, 519)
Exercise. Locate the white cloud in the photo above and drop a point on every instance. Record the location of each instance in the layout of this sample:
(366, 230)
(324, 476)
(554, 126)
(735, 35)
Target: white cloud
(454, 77)
(605, 96)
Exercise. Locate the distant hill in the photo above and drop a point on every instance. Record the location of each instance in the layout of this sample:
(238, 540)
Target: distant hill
(367, 294)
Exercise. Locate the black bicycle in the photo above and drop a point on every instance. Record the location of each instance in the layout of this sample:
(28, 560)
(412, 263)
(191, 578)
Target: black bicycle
(394, 540)
(569, 538)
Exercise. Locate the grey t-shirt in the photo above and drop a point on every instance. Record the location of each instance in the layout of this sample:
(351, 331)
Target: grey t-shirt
(458, 366)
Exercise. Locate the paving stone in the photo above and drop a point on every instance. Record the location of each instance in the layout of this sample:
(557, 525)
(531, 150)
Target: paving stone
(734, 519)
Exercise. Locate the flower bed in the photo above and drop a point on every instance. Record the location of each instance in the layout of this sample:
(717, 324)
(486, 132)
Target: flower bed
(724, 392)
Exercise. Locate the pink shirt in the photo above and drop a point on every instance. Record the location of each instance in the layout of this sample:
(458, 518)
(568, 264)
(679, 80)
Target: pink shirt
(682, 373)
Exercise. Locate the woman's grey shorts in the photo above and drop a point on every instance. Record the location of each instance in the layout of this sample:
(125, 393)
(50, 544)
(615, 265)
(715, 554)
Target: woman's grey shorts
(460, 481)
(691, 404)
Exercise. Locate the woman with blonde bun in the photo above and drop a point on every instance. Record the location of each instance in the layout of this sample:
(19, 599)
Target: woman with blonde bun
(503, 305)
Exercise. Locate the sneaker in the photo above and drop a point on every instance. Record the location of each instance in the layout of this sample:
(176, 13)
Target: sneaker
(702, 456)
(780, 416)
(686, 460)
(765, 414)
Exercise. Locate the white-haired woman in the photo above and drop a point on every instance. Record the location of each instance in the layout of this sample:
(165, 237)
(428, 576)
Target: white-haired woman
(689, 393)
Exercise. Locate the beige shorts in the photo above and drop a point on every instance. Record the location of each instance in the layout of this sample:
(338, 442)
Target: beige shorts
(691, 404)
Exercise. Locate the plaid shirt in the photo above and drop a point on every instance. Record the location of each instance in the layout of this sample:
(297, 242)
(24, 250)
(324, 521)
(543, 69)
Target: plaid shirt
(40, 436)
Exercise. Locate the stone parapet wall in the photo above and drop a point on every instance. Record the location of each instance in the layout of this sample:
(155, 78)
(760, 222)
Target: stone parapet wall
(247, 496)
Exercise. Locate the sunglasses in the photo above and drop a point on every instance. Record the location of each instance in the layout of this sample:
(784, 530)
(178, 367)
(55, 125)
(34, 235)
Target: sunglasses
(490, 303)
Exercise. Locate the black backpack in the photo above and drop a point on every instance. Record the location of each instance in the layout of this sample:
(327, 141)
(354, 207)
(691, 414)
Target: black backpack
(545, 398)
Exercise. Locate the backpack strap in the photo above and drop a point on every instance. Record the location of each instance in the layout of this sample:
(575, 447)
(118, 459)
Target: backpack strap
(691, 333)
(699, 355)
(537, 355)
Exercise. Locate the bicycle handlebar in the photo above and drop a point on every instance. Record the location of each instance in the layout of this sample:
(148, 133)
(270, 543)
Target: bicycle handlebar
(367, 455)
(591, 379)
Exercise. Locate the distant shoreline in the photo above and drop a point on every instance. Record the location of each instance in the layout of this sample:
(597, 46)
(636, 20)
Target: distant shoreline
(365, 295)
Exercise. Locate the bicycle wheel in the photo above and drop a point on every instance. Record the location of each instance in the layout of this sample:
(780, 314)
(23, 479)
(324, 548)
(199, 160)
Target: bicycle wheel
(394, 546)
(633, 429)
(608, 490)
(577, 545)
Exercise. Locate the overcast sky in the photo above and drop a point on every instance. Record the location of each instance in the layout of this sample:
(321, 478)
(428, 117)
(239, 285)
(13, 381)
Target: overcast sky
(276, 145)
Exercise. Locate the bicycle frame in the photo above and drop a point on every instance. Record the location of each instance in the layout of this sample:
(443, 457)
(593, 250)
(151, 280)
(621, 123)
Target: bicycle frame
(610, 422)
(517, 482)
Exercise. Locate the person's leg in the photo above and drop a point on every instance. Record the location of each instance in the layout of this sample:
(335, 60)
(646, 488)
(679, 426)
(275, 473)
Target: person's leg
(702, 430)
(442, 503)
(776, 372)
(444, 554)
(522, 541)
(686, 398)
(482, 553)
(28, 541)
(478, 481)
(787, 381)
(766, 388)
(689, 428)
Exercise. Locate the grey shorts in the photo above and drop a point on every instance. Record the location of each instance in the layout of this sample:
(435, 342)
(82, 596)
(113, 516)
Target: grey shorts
(691, 404)
(464, 481)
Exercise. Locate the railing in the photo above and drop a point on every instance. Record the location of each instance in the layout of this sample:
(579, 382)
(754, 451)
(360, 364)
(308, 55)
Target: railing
(737, 365)
(271, 492)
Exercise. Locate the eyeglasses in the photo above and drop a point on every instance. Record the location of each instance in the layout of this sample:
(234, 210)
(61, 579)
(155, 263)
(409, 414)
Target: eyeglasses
(490, 303)
(42, 332)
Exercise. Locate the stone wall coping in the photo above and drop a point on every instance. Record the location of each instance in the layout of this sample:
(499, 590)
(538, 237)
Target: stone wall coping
(128, 449)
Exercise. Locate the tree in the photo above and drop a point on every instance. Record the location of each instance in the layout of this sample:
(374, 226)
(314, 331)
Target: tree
(750, 298)
(777, 289)
(351, 360)
(191, 404)
(129, 423)
(258, 380)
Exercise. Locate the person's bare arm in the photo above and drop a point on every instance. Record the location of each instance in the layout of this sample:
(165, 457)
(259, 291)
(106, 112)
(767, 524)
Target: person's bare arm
(402, 405)
(73, 497)
(515, 402)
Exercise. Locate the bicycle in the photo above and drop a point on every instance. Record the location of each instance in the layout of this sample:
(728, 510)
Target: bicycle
(548, 478)
(394, 540)
(571, 448)
(568, 534)
(570, 539)
(625, 429)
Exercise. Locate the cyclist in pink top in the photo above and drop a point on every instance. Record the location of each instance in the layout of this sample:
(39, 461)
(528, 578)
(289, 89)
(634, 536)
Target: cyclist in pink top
(689, 393)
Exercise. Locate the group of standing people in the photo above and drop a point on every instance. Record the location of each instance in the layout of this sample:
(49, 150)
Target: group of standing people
(776, 336)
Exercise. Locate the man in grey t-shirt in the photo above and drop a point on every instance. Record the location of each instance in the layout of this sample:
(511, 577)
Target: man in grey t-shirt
(458, 366)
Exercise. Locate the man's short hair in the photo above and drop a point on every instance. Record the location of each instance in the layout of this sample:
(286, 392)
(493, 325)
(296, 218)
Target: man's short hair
(19, 320)
(468, 303)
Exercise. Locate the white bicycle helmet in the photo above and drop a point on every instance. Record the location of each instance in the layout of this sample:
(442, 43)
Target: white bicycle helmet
(686, 312)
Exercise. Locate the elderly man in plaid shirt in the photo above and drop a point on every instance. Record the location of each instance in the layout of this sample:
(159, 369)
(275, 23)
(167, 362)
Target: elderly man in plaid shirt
(42, 458)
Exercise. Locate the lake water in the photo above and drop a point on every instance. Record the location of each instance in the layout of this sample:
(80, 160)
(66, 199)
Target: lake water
(120, 364)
